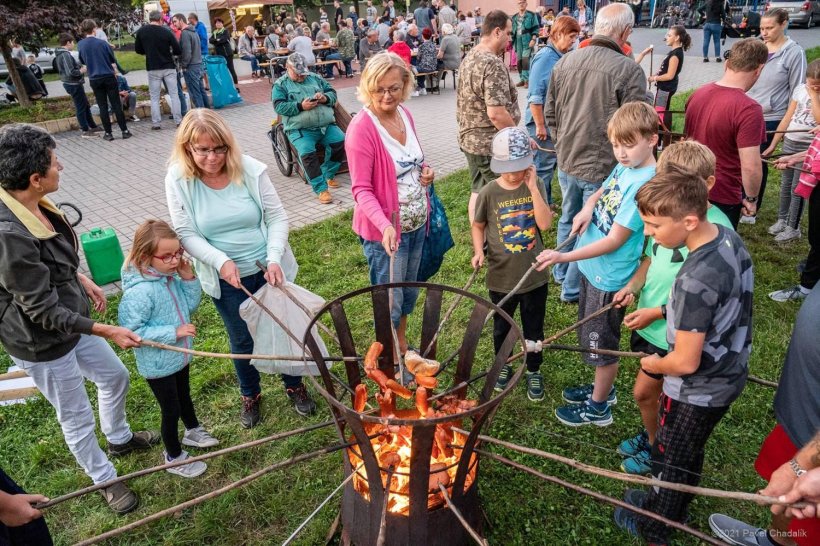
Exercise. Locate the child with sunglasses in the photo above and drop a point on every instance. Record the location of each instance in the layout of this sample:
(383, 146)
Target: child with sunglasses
(160, 292)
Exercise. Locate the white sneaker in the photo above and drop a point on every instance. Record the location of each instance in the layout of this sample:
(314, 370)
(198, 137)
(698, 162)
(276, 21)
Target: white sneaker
(199, 437)
(787, 235)
(792, 293)
(748, 219)
(191, 470)
(422, 91)
(777, 227)
(414, 94)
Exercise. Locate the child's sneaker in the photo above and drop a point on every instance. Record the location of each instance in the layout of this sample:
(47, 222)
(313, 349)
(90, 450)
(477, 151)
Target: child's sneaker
(504, 378)
(577, 415)
(199, 437)
(627, 519)
(632, 446)
(579, 395)
(640, 464)
(777, 227)
(535, 386)
(788, 234)
(191, 470)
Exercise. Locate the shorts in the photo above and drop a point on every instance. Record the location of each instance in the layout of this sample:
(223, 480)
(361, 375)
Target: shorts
(480, 172)
(776, 450)
(602, 332)
(638, 344)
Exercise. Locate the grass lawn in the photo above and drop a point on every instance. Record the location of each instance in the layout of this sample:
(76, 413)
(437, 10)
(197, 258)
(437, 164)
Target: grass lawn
(521, 509)
(54, 108)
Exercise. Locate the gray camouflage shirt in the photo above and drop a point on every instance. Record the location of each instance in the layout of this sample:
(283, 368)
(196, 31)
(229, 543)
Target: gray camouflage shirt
(712, 293)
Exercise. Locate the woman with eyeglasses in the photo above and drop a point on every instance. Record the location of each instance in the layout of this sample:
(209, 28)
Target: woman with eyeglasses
(390, 179)
(228, 216)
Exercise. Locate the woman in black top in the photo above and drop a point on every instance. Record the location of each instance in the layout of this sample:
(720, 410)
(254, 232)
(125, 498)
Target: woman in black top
(221, 39)
(714, 11)
(666, 78)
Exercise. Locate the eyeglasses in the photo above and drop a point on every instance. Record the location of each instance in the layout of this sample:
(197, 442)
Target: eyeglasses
(205, 152)
(168, 258)
(390, 90)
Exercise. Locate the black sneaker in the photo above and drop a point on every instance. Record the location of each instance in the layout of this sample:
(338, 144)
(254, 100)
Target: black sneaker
(301, 400)
(126, 134)
(155, 128)
(249, 417)
(96, 129)
(108, 136)
(139, 440)
(88, 134)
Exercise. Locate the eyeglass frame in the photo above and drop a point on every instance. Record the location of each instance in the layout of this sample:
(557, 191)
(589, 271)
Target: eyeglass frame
(389, 91)
(168, 258)
(208, 151)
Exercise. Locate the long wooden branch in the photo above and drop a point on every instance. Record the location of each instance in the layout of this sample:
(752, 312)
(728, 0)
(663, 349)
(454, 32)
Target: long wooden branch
(291, 358)
(449, 312)
(481, 541)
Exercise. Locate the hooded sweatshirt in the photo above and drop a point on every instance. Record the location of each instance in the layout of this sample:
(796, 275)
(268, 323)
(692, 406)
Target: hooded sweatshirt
(154, 305)
(190, 46)
(68, 67)
(781, 75)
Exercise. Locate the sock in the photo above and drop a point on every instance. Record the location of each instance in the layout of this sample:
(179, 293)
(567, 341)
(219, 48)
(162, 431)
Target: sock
(598, 406)
(804, 290)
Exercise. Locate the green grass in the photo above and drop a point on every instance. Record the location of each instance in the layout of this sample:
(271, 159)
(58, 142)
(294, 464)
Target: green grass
(521, 509)
(52, 108)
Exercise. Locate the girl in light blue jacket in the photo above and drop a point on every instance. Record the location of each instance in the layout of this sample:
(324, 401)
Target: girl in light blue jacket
(160, 292)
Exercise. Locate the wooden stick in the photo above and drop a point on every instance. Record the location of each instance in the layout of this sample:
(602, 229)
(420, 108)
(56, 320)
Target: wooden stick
(293, 358)
(396, 349)
(610, 500)
(213, 494)
(796, 168)
(380, 540)
(545, 150)
(301, 305)
(788, 131)
(449, 312)
(321, 505)
(764, 382)
(14, 394)
(16, 374)
(631, 478)
(333, 528)
(478, 538)
(211, 455)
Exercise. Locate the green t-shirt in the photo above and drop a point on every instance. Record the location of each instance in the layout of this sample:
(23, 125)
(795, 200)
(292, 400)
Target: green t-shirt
(513, 238)
(663, 268)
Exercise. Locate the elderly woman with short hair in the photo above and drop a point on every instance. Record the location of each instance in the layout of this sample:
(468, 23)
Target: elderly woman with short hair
(390, 179)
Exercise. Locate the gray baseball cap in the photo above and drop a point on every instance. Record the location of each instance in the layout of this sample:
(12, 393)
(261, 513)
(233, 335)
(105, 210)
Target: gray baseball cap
(299, 64)
(511, 151)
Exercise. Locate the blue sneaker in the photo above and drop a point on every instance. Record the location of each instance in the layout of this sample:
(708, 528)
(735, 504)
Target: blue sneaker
(627, 519)
(579, 395)
(504, 377)
(576, 415)
(632, 446)
(535, 386)
(639, 464)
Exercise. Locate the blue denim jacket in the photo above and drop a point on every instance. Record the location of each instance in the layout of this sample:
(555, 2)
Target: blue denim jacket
(540, 72)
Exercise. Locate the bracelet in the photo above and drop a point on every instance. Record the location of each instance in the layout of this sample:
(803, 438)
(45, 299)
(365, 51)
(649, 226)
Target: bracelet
(750, 198)
(798, 470)
(663, 311)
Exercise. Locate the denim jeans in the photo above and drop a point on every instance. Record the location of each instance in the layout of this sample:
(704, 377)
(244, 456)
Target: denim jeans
(405, 268)
(575, 193)
(155, 81)
(711, 31)
(77, 93)
(240, 338)
(254, 62)
(329, 68)
(544, 162)
(62, 382)
(183, 104)
(348, 66)
(193, 79)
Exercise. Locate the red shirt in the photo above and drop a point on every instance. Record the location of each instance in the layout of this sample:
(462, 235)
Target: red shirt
(725, 119)
(402, 50)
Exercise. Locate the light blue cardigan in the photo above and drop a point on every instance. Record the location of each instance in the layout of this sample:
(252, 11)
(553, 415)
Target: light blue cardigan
(208, 260)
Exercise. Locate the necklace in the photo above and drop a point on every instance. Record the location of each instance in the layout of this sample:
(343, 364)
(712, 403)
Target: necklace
(396, 122)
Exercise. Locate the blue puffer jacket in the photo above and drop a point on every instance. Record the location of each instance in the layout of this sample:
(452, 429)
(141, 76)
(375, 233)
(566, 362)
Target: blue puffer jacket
(154, 305)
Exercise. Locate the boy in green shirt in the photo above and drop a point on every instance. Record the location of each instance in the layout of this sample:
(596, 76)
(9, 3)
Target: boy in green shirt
(653, 280)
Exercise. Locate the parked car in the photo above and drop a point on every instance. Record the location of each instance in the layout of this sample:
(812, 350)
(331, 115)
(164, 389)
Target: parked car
(801, 12)
(45, 59)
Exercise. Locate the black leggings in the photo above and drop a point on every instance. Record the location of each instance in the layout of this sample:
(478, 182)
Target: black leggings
(173, 393)
(533, 308)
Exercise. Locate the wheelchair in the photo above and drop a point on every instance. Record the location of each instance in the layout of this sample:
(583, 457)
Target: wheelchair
(287, 159)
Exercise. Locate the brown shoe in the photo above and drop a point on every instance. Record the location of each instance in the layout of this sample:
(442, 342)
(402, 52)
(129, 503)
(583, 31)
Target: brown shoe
(139, 440)
(331, 183)
(119, 498)
(325, 198)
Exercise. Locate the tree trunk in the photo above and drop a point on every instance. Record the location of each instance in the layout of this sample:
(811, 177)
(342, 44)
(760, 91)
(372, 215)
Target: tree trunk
(22, 96)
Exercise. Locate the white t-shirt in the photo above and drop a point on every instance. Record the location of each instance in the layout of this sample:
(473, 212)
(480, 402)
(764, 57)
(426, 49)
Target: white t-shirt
(407, 159)
(802, 120)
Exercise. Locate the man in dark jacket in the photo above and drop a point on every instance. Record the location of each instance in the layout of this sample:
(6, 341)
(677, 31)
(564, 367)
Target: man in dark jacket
(190, 61)
(159, 46)
(72, 74)
(202, 32)
(577, 117)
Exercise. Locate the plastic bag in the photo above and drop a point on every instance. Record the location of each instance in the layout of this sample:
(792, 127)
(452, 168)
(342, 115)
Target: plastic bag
(270, 339)
(222, 88)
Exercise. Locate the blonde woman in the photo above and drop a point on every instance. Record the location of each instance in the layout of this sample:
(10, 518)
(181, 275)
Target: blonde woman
(226, 211)
(390, 179)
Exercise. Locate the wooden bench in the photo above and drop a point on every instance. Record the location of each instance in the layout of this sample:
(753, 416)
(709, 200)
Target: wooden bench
(434, 79)
(339, 65)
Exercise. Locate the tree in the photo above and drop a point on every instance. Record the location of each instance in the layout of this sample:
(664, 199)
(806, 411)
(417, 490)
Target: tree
(29, 21)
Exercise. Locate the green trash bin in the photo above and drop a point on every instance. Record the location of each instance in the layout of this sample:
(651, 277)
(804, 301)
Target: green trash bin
(103, 254)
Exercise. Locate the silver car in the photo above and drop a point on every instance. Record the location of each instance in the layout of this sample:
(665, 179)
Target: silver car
(801, 12)
(45, 59)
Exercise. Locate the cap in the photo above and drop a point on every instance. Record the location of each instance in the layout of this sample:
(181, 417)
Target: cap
(511, 151)
(299, 64)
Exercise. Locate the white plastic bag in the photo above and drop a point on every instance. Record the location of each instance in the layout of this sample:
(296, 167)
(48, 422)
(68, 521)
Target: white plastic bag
(270, 339)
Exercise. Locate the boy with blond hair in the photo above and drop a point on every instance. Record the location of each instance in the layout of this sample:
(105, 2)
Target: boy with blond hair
(652, 282)
(608, 252)
(709, 331)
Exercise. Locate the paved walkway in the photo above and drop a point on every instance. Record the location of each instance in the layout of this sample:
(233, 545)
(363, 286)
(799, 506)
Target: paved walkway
(120, 184)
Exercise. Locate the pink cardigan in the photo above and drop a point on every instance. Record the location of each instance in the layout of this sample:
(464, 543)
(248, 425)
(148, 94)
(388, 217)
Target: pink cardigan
(373, 177)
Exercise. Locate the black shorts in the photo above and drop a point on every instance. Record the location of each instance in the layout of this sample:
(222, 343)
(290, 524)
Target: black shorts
(640, 345)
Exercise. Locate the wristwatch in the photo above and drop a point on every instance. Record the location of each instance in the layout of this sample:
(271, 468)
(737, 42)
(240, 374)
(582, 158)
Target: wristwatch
(750, 199)
(663, 311)
(798, 470)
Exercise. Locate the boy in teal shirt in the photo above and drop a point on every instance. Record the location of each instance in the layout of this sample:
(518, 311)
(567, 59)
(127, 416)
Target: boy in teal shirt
(653, 280)
(608, 252)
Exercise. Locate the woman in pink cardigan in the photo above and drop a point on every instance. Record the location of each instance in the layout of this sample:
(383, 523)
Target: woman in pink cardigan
(390, 181)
